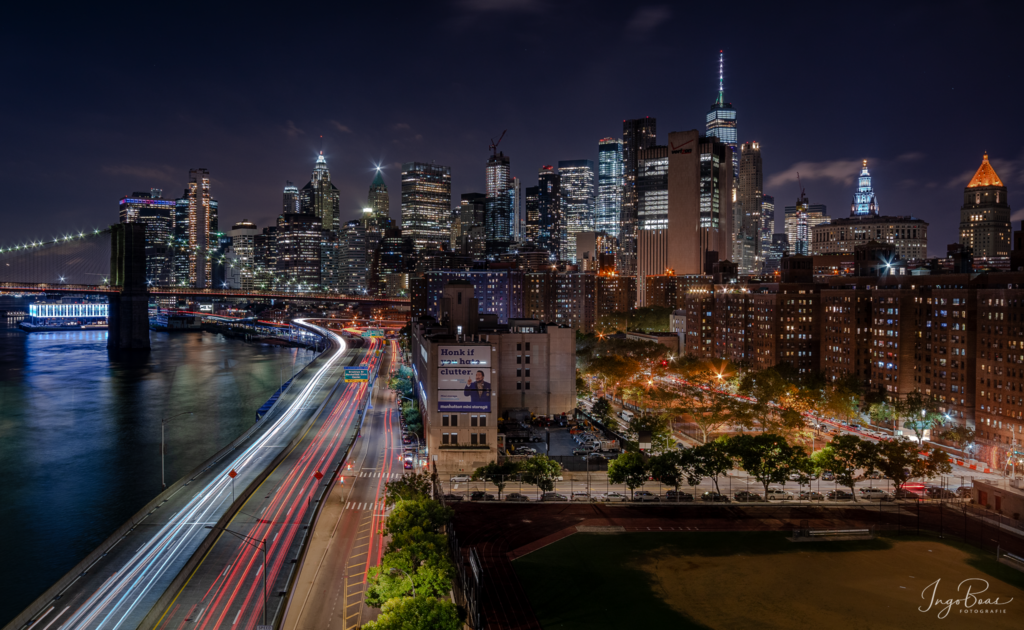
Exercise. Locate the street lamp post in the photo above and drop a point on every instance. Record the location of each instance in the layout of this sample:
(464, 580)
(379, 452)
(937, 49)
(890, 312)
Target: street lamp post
(163, 479)
(249, 540)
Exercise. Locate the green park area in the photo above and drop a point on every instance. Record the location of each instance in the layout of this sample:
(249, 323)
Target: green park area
(762, 580)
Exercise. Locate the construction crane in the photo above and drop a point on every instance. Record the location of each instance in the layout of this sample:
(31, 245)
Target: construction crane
(800, 186)
(494, 145)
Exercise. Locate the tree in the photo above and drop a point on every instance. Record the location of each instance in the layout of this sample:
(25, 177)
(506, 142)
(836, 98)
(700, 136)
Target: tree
(767, 456)
(960, 435)
(582, 387)
(841, 399)
(656, 425)
(430, 516)
(899, 459)
(919, 414)
(417, 613)
(403, 570)
(412, 487)
(665, 468)
(843, 456)
(707, 408)
(630, 469)
(413, 419)
(541, 472)
(882, 414)
(602, 412)
(497, 473)
(651, 319)
(708, 460)
(774, 400)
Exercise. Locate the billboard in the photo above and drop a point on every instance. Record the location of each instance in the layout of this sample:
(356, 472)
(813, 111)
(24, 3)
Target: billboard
(463, 379)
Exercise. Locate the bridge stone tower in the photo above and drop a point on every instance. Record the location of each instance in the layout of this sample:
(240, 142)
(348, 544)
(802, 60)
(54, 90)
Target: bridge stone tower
(128, 320)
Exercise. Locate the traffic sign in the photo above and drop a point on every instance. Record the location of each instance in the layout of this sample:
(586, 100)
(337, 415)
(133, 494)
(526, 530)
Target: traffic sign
(357, 374)
(232, 474)
(319, 475)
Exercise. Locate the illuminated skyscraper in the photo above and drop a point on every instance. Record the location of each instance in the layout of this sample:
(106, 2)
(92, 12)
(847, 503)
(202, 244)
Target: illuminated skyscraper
(379, 202)
(319, 197)
(426, 205)
(243, 243)
(500, 197)
(798, 223)
(376, 221)
(158, 216)
(637, 134)
(864, 204)
(652, 188)
(290, 203)
(298, 260)
(747, 252)
(609, 186)
(200, 217)
(577, 188)
(767, 222)
(985, 215)
(549, 210)
(721, 120)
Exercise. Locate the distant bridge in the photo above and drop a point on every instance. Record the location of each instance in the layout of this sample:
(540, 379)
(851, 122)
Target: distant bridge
(112, 262)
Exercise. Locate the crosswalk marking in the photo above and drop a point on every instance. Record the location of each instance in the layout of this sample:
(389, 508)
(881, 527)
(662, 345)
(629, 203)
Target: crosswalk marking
(380, 474)
(365, 505)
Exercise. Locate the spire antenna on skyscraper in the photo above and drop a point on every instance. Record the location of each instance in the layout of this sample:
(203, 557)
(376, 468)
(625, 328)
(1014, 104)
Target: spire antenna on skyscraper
(721, 77)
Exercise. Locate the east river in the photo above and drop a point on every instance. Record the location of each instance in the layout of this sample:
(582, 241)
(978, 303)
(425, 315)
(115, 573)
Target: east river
(80, 436)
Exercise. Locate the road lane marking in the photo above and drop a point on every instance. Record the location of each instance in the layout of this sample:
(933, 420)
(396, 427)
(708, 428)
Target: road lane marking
(52, 621)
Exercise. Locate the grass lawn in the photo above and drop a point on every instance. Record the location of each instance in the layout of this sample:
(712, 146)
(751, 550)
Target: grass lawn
(760, 580)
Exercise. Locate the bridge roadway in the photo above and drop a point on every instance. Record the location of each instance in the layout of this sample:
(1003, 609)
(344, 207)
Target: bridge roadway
(226, 590)
(103, 289)
(122, 586)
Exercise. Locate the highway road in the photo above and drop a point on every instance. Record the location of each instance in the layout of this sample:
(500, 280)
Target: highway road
(347, 540)
(227, 588)
(121, 587)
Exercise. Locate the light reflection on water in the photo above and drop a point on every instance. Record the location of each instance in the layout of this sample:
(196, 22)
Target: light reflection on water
(80, 435)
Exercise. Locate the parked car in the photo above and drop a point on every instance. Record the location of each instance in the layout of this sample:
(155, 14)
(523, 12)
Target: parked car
(714, 497)
(874, 474)
(828, 475)
(874, 494)
(747, 496)
(937, 492)
(553, 496)
(579, 495)
(678, 496)
(810, 495)
(460, 479)
(839, 495)
(526, 450)
(453, 497)
(480, 495)
(903, 493)
(795, 476)
(644, 496)
(516, 497)
(613, 497)
(780, 495)
(595, 457)
(964, 492)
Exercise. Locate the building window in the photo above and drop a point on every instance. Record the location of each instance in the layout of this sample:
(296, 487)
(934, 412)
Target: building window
(455, 421)
(472, 421)
(444, 421)
(455, 438)
(444, 438)
(472, 438)
(527, 346)
(519, 359)
(519, 372)
(483, 421)
(519, 385)
(527, 384)
(527, 359)
(519, 346)
(527, 372)
(483, 438)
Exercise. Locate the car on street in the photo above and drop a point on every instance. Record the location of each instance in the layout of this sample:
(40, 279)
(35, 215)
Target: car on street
(613, 497)
(480, 495)
(839, 495)
(747, 497)
(407, 465)
(678, 496)
(810, 495)
(579, 495)
(938, 492)
(795, 476)
(714, 497)
(453, 497)
(553, 496)
(644, 496)
(874, 474)
(828, 475)
(775, 494)
(964, 492)
(874, 494)
(516, 497)
(460, 479)
(903, 493)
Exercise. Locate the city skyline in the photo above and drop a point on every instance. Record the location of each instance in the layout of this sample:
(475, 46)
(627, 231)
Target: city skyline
(254, 139)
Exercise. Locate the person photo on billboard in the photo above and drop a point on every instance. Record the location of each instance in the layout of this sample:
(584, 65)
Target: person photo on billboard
(479, 391)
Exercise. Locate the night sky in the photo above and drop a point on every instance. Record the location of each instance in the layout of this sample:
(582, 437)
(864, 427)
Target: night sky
(100, 103)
